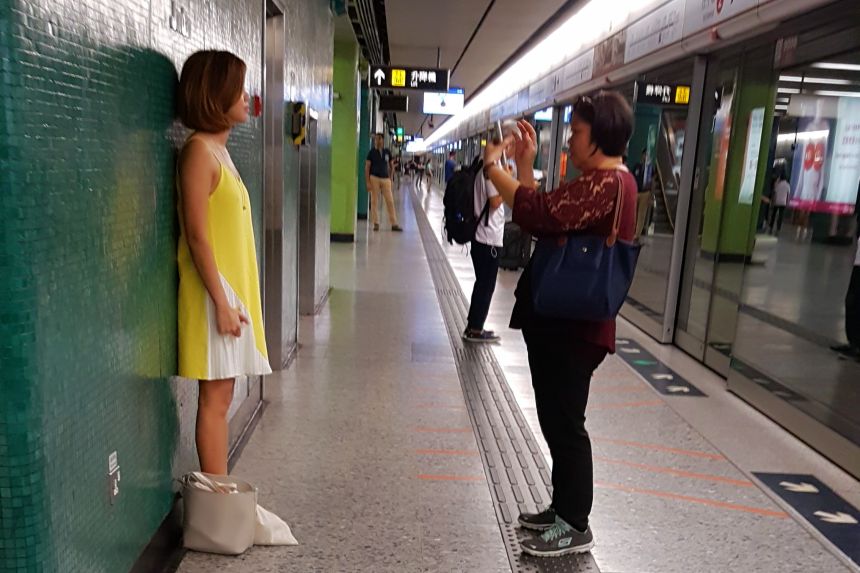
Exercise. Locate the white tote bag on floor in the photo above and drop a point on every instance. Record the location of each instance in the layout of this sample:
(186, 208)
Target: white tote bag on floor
(220, 513)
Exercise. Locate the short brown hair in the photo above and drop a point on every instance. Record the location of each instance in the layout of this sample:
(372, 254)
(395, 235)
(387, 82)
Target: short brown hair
(210, 83)
(611, 121)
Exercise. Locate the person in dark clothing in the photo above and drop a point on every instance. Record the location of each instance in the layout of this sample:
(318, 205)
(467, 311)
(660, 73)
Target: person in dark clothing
(450, 166)
(640, 171)
(563, 354)
(852, 300)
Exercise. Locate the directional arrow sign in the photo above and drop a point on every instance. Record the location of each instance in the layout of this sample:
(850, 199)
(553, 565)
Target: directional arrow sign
(830, 514)
(658, 375)
(379, 76)
(676, 389)
(836, 517)
(801, 487)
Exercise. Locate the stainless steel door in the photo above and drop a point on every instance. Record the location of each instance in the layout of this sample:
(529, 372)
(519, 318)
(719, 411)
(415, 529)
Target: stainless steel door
(280, 250)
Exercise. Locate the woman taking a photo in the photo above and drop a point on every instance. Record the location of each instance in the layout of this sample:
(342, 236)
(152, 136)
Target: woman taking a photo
(564, 353)
(220, 315)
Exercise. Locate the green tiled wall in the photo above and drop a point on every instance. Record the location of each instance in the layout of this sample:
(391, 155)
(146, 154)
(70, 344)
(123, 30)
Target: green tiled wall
(87, 259)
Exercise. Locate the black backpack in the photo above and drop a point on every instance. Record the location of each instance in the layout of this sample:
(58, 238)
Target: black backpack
(459, 200)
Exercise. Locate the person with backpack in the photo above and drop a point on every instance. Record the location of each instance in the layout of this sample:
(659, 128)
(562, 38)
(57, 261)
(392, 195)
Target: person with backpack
(568, 325)
(489, 210)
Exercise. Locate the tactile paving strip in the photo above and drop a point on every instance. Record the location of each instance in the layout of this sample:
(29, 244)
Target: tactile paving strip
(519, 477)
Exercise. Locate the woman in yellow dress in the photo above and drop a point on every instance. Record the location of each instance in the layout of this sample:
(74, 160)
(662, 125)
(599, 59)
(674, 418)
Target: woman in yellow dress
(220, 315)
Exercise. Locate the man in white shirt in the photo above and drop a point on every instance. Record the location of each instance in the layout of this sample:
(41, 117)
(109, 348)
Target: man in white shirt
(485, 258)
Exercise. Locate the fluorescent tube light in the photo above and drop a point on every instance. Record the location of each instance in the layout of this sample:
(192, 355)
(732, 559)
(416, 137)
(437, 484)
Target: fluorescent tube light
(837, 66)
(836, 93)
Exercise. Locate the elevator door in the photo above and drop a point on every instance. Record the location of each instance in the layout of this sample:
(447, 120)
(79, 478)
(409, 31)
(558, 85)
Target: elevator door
(281, 203)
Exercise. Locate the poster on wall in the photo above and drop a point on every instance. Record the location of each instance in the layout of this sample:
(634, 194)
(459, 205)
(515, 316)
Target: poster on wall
(811, 147)
(751, 156)
(844, 181)
(609, 54)
(722, 138)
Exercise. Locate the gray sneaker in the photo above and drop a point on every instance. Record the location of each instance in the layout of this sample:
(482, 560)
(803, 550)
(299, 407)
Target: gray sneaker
(538, 521)
(560, 539)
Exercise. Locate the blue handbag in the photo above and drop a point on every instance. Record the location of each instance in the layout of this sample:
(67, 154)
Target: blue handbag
(584, 277)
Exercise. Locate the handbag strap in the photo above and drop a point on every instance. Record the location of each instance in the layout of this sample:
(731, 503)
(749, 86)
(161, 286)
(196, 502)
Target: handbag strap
(616, 219)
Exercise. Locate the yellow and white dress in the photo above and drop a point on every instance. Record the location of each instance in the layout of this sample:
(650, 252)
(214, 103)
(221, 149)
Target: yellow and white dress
(205, 354)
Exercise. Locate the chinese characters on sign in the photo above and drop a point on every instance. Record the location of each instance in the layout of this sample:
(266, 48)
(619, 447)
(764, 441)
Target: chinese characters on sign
(662, 94)
(405, 77)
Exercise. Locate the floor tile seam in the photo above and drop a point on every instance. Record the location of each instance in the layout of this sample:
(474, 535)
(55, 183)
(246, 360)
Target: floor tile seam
(467, 361)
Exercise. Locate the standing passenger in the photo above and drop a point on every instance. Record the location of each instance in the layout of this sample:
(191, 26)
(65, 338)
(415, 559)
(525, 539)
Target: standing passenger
(378, 169)
(220, 316)
(488, 240)
(563, 354)
(450, 166)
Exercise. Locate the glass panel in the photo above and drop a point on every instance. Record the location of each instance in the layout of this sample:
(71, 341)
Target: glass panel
(794, 306)
(655, 153)
(706, 207)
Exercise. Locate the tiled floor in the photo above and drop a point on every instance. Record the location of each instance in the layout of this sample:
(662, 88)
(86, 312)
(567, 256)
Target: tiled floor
(367, 449)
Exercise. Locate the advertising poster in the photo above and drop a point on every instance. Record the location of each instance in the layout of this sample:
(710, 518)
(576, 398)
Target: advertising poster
(722, 138)
(844, 180)
(809, 170)
(751, 156)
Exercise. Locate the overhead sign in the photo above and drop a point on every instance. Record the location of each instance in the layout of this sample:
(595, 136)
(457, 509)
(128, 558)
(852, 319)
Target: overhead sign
(657, 30)
(701, 14)
(409, 78)
(394, 103)
(662, 94)
(443, 103)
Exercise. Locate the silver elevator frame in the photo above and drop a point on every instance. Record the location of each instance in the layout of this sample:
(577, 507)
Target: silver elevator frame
(280, 192)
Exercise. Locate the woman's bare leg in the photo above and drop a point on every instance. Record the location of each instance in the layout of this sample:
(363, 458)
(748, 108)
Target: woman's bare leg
(212, 430)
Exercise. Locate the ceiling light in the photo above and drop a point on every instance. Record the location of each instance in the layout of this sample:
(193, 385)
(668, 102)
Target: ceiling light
(836, 66)
(833, 81)
(791, 78)
(836, 93)
(820, 134)
(783, 100)
(788, 90)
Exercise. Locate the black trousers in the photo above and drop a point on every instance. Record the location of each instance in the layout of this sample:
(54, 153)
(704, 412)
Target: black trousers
(852, 309)
(561, 371)
(776, 213)
(485, 260)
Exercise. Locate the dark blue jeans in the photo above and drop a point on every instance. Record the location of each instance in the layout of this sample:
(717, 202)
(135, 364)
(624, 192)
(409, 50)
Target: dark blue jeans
(485, 260)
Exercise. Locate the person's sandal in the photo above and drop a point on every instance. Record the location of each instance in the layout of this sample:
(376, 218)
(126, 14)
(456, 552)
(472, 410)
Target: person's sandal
(397, 228)
(376, 227)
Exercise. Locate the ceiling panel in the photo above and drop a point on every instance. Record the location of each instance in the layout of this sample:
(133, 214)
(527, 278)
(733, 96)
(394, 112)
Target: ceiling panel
(417, 28)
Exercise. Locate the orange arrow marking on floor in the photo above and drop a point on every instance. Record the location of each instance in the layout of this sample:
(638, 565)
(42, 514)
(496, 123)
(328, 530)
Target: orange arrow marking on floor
(621, 405)
(444, 430)
(673, 471)
(430, 477)
(690, 453)
(703, 501)
(446, 452)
